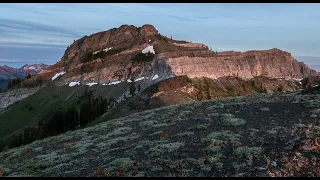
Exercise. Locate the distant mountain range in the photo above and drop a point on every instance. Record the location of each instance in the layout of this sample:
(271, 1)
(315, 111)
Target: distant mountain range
(7, 72)
(34, 68)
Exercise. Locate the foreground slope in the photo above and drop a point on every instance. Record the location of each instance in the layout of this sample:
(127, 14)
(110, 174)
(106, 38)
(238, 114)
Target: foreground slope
(256, 135)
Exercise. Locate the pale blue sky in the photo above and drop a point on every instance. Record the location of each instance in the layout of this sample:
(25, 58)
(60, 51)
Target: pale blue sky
(34, 33)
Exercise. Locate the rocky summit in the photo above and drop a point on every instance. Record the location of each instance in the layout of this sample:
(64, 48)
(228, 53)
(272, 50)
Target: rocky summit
(130, 95)
(109, 56)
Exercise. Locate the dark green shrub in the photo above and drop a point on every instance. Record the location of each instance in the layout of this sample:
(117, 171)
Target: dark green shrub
(87, 57)
(13, 82)
(140, 58)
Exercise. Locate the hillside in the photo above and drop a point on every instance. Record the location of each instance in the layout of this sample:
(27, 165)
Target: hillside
(130, 69)
(256, 135)
(43, 103)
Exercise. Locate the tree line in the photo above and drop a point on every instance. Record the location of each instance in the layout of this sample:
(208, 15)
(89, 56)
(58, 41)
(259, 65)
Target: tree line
(62, 121)
(15, 81)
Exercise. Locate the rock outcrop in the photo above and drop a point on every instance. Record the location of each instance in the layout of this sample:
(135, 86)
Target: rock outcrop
(111, 55)
(273, 63)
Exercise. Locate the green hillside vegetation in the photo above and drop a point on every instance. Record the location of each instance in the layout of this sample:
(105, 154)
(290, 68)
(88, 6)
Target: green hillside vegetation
(47, 112)
(256, 135)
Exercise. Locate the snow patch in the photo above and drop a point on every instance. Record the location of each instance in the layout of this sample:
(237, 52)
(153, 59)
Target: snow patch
(155, 77)
(74, 83)
(57, 75)
(297, 79)
(91, 84)
(148, 49)
(139, 79)
(129, 80)
(31, 68)
(107, 49)
(315, 85)
(114, 83)
(149, 40)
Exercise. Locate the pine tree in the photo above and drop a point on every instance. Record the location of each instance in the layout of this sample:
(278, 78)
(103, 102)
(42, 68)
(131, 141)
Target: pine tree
(139, 87)
(28, 76)
(39, 80)
(132, 89)
(84, 113)
(9, 84)
(1, 145)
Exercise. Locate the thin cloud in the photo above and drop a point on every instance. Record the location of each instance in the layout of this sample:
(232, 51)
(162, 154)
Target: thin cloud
(27, 26)
(22, 61)
(33, 45)
(221, 26)
(12, 60)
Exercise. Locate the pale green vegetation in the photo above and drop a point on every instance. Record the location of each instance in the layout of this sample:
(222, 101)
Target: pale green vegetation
(164, 148)
(246, 151)
(265, 109)
(230, 120)
(210, 138)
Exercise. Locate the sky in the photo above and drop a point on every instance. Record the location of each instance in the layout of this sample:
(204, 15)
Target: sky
(40, 33)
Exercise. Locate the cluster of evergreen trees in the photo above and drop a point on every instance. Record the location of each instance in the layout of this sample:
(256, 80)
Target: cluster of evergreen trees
(61, 120)
(141, 57)
(13, 82)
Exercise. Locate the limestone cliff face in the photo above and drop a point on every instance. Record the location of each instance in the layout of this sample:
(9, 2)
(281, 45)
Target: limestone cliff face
(172, 58)
(272, 63)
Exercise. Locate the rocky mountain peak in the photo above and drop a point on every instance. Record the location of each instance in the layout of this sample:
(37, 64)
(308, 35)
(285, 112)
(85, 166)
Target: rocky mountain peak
(148, 30)
(108, 56)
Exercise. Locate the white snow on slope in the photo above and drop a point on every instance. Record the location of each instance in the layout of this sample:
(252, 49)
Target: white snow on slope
(297, 79)
(129, 80)
(114, 83)
(148, 49)
(107, 49)
(32, 68)
(91, 84)
(139, 79)
(57, 75)
(74, 83)
(155, 77)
